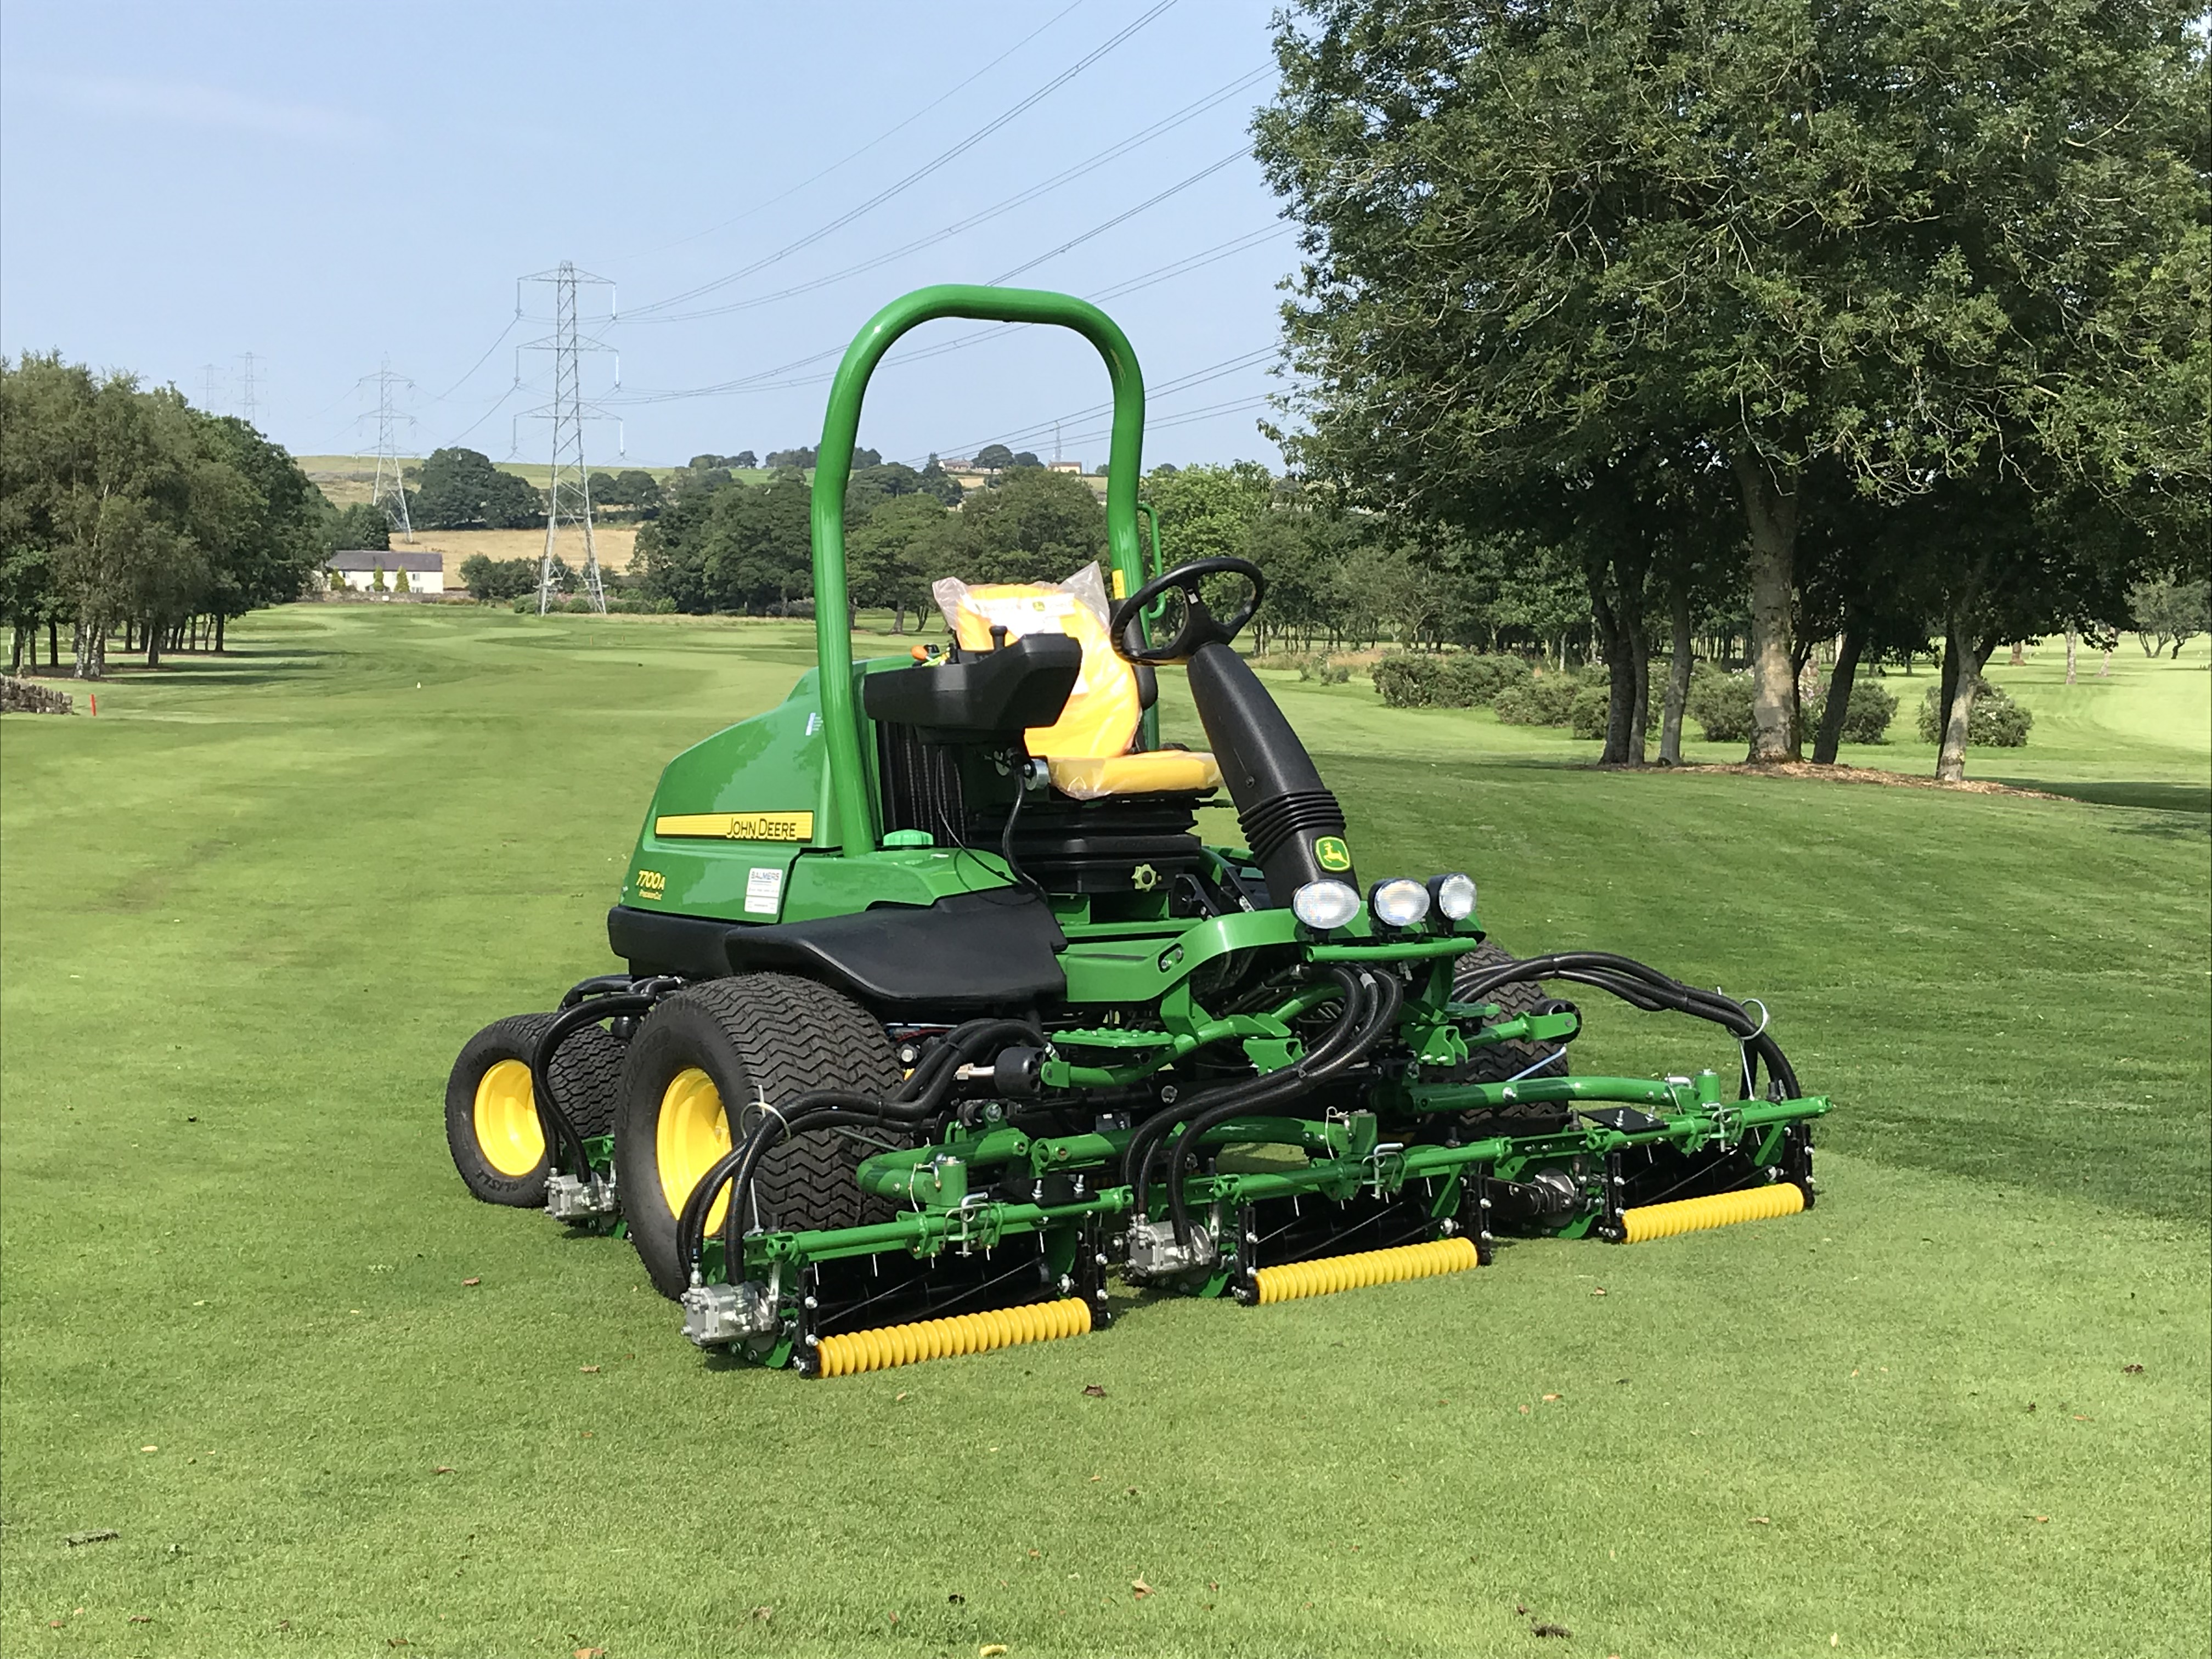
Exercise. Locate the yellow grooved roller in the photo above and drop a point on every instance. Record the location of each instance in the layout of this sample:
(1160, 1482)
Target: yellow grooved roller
(1691, 1215)
(934, 1338)
(1343, 1272)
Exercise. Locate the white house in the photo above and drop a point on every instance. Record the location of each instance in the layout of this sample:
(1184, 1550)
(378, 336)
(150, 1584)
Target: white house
(357, 568)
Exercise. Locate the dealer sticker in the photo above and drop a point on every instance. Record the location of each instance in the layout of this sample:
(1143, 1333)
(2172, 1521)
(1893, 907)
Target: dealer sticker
(764, 892)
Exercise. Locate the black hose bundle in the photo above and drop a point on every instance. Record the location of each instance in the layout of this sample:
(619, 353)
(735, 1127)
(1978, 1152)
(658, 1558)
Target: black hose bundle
(1647, 989)
(916, 1100)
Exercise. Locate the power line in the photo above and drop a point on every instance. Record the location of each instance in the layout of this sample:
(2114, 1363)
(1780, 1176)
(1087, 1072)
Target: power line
(1154, 394)
(854, 156)
(934, 165)
(1114, 152)
(1237, 154)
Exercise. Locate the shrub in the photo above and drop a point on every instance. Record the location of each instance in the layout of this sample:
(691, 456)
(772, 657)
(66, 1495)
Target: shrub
(1320, 670)
(1408, 682)
(1997, 721)
(1548, 702)
(1587, 719)
(1467, 680)
(1866, 718)
(1721, 704)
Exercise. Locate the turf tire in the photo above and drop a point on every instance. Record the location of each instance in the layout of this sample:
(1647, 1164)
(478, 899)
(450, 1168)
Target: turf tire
(1507, 1060)
(757, 1037)
(586, 1073)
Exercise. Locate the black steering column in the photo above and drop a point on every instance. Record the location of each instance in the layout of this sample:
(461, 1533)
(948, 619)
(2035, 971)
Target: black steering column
(1291, 819)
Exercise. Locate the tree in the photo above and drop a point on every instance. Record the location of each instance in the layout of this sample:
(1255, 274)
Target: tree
(461, 489)
(993, 458)
(1208, 512)
(266, 549)
(2169, 613)
(934, 480)
(757, 549)
(357, 525)
(744, 457)
(1025, 457)
(902, 546)
(870, 486)
(1890, 241)
(803, 457)
(1035, 526)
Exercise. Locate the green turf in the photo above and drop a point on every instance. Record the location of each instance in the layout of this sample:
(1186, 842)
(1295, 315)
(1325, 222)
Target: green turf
(251, 911)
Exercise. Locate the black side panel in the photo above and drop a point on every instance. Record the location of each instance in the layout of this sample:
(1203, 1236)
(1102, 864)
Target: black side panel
(969, 953)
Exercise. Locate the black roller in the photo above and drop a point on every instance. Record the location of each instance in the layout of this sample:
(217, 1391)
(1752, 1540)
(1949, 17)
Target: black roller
(1285, 809)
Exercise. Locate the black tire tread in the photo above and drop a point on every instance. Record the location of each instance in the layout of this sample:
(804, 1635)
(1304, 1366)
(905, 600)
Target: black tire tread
(586, 1074)
(1502, 1061)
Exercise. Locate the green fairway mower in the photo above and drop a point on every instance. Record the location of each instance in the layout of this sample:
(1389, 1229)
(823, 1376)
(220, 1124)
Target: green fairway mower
(938, 1012)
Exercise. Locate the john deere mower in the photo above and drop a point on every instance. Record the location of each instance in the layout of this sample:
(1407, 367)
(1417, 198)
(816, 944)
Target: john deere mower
(938, 1012)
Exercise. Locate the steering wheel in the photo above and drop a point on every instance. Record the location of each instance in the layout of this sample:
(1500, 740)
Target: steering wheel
(1199, 625)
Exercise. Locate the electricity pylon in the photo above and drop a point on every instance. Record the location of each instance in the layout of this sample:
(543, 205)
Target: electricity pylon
(247, 402)
(390, 491)
(569, 489)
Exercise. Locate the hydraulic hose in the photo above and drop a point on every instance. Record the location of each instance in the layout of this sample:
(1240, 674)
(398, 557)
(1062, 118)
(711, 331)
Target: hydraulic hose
(917, 1098)
(558, 1129)
(1646, 988)
(1382, 1017)
(1137, 1155)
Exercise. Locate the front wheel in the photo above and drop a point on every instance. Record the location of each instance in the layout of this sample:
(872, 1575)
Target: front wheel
(1504, 1062)
(696, 1069)
(491, 1112)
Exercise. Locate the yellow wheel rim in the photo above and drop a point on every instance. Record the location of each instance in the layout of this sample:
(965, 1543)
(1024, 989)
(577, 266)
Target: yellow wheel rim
(692, 1132)
(507, 1131)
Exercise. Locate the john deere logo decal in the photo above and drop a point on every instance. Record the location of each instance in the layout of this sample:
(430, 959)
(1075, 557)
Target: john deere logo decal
(1331, 854)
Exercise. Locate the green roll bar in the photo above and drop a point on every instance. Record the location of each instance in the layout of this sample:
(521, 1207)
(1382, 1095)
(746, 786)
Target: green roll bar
(841, 428)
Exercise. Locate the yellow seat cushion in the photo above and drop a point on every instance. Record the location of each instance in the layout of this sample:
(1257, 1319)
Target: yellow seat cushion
(1088, 777)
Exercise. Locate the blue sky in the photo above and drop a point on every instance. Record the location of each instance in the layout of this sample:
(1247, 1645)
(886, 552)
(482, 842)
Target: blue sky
(330, 187)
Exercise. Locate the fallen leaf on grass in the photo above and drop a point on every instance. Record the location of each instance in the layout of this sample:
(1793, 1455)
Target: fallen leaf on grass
(2043, 1517)
(148, 1448)
(1761, 1521)
(589, 1370)
(764, 1614)
(2078, 1418)
(397, 1642)
(141, 1619)
(1597, 1292)
(1096, 1478)
(1549, 1630)
(472, 1281)
(1549, 1398)
(990, 1650)
(1141, 1588)
(1091, 1391)
(901, 1395)
(283, 1624)
(591, 1653)
(1524, 1410)
(443, 1468)
(1133, 1491)
(1520, 1611)
(99, 1537)
(56, 1624)
(2132, 1371)
(1036, 1555)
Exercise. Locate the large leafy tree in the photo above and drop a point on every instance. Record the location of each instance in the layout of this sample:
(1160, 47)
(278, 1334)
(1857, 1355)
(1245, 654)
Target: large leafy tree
(1881, 241)
(898, 550)
(1036, 526)
(461, 489)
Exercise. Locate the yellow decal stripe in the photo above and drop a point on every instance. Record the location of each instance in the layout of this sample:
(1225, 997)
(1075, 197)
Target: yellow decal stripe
(738, 826)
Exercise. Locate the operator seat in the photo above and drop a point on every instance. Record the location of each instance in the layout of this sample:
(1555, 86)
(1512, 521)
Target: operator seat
(1090, 749)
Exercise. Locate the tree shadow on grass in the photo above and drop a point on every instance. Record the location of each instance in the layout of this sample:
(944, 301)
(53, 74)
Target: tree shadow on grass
(234, 667)
(2158, 796)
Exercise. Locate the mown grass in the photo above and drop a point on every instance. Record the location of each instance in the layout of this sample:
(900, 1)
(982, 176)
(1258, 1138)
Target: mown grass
(247, 915)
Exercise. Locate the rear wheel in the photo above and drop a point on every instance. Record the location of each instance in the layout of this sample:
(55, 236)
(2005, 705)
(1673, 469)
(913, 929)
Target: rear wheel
(695, 1070)
(491, 1115)
(1504, 1062)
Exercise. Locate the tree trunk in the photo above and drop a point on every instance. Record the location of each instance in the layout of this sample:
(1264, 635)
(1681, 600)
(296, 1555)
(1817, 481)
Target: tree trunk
(54, 645)
(1962, 680)
(2070, 637)
(2179, 643)
(1640, 713)
(1772, 513)
(154, 631)
(1678, 684)
(219, 623)
(1621, 689)
(15, 662)
(2105, 670)
(1830, 735)
(898, 617)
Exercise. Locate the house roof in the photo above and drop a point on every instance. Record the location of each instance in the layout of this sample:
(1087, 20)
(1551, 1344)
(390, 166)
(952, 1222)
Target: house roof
(369, 558)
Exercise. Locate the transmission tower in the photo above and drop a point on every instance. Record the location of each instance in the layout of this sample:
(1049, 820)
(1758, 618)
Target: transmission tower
(390, 491)
(569, 489)
(209, 374)
(247, 402)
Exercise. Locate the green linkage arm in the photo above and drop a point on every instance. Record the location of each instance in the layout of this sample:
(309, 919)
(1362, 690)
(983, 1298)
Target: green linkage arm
(841, 427)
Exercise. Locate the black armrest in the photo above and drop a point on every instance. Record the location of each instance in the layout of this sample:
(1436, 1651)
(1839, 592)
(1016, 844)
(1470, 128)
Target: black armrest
(993, 694)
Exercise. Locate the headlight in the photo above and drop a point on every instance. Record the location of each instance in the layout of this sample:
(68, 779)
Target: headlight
(1325, 906)
(1399, 902)
(1453, 895)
